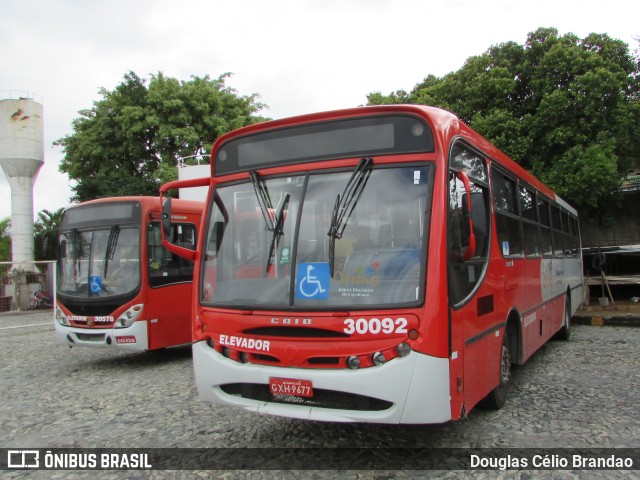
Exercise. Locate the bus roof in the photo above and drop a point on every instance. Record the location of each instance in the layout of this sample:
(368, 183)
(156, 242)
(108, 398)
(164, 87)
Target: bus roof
(446, 126)
(152, 202)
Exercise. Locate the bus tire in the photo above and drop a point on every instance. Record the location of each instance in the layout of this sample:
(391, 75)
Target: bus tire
(498, 396)
(565, 331)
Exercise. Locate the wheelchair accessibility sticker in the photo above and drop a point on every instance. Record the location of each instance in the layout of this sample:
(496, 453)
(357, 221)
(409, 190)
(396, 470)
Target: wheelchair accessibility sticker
(95, 284)
(313, 281)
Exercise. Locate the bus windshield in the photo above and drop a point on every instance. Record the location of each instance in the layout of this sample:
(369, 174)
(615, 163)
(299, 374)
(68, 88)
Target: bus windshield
(99, 250)
(99, 262)
(319, 240)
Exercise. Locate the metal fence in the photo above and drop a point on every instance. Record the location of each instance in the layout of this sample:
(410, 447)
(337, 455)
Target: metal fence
(29, 286)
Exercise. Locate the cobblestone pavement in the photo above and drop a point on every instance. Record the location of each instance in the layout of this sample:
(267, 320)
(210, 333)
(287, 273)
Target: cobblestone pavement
(583, 393)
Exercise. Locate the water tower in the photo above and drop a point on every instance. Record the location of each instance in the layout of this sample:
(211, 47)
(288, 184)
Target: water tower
(21, 157)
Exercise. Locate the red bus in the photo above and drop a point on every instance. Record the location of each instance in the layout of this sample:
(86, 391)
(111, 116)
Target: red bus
(117, 286)
(381, 264)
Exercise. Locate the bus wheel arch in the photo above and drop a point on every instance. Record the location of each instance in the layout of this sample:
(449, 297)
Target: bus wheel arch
(565, 331)
(510, 352)
(513, 332)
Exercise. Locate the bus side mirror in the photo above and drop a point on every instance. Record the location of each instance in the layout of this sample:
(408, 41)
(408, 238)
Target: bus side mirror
(468, 213)
(478, 214)
(166, 220)
(62, 249)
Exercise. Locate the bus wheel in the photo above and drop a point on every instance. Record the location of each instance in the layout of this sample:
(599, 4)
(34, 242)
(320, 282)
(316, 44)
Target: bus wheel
(565, 332)
(498, 396)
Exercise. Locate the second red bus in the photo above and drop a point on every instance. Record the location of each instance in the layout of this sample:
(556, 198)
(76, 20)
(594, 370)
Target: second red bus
(117, 286)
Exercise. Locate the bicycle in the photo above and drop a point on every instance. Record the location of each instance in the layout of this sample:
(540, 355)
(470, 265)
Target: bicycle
(39, 300)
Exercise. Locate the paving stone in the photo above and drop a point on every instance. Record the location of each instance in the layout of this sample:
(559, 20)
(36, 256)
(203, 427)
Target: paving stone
(581, 393)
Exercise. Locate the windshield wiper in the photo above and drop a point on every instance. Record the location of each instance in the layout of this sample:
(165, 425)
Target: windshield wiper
(273, 219)
(264, 200)
(346, 203)
(111, 247)
(278, 224)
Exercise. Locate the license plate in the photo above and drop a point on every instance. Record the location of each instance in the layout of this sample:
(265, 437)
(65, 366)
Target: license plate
(291, 386)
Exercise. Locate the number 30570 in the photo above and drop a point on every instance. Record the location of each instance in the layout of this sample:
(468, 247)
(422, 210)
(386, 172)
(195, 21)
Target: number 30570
(375, 325)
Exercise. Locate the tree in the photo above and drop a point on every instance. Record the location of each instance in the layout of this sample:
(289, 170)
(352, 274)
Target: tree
(45, 234)
(5, 244)
(133, 136)
(566, 108)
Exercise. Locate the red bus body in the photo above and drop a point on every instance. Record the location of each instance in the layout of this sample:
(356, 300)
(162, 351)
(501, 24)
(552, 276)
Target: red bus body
(117, 287)
(472, 264)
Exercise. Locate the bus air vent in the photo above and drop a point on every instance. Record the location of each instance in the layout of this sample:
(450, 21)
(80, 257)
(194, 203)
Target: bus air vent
(265, 358)
(90, 337)
(324, 361)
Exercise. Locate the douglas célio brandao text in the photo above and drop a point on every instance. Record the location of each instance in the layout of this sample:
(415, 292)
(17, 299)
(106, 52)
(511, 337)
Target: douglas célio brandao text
(551, 461)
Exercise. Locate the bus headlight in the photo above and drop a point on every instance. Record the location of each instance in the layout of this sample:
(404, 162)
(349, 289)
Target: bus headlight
(129, 316)
(378, 358)
(403, 349)
(353, 362)
(62, 318)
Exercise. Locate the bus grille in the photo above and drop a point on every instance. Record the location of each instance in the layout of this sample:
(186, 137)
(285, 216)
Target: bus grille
(321, 398)
(90, 337)
(91, 310)
(294, 332)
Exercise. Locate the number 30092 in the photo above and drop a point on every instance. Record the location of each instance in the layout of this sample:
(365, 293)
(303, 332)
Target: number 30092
(375, 326)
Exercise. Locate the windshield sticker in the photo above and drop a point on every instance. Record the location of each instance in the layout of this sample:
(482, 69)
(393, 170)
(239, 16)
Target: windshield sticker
(416, 177)
(285, 256)
(359, 283)
(313, 281)
(95, 284)
(372, 269)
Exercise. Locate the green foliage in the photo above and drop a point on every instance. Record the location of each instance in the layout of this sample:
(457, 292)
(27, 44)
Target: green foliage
(566, 108)
(131, 139)
(45, 234)
(5, 244)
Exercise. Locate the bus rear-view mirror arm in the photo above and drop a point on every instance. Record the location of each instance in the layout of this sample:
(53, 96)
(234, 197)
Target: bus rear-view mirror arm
(471, 249)
(165, 202)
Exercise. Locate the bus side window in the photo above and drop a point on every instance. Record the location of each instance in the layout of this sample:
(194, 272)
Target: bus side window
(164, 267)
(505, 204)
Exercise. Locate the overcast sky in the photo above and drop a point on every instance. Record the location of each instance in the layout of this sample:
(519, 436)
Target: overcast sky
(300, 56)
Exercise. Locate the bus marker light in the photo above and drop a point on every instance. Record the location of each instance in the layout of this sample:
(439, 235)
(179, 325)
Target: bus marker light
(378, 358)
(211, 343)
(404, 349)
(226, 351)
(353, 362)
(413, 334)
(244, 357)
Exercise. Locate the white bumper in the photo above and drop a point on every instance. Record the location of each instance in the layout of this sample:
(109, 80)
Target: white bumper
(134, 338)
(417, 386)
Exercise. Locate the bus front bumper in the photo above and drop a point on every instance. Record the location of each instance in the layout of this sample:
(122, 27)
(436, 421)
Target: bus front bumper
(133, 338)
(415, 388)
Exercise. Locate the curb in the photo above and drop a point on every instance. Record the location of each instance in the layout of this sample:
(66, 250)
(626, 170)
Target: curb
(627, 320)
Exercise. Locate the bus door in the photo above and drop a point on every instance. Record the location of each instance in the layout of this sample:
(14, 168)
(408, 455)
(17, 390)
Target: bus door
(534, 251)
(170, 279)
(473, 320)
